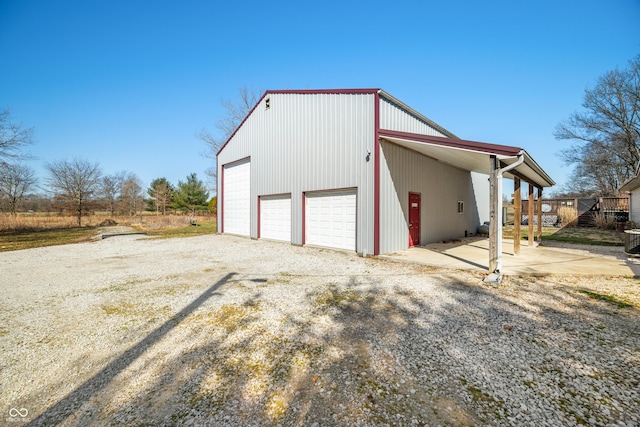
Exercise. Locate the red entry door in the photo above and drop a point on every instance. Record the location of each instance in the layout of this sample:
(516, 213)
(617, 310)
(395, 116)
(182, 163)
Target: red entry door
(414, 219)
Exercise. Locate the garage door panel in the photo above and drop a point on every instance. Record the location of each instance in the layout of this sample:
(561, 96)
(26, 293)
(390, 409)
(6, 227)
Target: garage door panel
(275, 217)
(331, 219)
(237, 199)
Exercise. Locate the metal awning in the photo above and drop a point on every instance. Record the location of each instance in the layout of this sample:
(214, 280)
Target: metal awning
(470, 155)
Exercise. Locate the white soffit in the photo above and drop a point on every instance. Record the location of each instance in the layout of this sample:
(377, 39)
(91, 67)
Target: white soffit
(474, 161)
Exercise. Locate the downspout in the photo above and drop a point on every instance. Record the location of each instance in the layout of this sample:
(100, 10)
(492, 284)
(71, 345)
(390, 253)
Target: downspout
(499, 202)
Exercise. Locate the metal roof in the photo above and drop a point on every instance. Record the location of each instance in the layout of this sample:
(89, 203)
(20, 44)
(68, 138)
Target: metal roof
(464, 154)
(422, 117)
(470, 155)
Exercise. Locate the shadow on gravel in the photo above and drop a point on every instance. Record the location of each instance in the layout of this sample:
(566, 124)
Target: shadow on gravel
(358, 351)
(71, 403)
(361, 353)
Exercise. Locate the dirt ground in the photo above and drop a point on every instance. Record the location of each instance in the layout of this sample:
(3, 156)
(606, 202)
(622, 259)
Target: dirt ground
(218, 330)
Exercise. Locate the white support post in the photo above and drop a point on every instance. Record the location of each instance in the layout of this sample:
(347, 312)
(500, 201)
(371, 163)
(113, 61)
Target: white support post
(495, 216)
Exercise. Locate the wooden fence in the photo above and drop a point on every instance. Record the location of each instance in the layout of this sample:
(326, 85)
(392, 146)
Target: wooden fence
(586, 209)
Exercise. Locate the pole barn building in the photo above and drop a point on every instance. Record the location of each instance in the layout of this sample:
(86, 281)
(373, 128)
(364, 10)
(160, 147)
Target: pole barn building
(357, 170)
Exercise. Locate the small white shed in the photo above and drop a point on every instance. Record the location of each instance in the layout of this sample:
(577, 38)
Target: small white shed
(632, 186)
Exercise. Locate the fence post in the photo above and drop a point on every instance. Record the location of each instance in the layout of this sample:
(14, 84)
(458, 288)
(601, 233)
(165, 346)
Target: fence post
(531, 214)
(539, 214)
(601, 209)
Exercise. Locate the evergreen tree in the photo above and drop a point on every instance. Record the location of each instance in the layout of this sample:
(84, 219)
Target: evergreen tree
(191, 194)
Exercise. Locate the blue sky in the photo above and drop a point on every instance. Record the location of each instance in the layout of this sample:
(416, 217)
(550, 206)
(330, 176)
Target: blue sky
(129, 84)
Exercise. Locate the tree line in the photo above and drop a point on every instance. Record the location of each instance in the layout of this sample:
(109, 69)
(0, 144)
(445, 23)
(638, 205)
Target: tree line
(79, 186)
(605, 152)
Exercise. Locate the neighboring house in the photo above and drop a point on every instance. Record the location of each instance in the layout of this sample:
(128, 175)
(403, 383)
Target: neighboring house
(358, 170)
(632, 186)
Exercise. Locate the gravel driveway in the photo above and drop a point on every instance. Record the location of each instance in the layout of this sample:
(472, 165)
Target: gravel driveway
(218, 330)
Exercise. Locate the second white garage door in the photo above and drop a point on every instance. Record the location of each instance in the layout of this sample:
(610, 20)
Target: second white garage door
(331, 219)
(275, 217)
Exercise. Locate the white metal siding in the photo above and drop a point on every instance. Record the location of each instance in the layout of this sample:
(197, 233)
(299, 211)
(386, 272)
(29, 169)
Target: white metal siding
(331, 219)
(275, 217)
(481, 191)
(236, 198)
(634, 205)
(394, 117)
(441, 186)
(310, 142)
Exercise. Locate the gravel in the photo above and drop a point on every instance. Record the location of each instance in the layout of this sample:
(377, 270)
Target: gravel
(225, 331)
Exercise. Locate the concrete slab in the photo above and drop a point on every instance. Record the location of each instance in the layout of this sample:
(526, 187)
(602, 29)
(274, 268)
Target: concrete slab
(473, 254)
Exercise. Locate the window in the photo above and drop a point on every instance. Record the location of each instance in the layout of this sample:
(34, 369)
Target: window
(460, 207)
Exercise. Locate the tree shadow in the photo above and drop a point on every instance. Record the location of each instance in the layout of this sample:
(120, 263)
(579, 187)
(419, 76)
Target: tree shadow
(413, 349)
(67, 406)
(358, 350)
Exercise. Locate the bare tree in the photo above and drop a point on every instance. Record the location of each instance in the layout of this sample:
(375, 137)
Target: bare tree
(13, 137)
(161, 193)
(131, 194)
(15, 181)
(109, 190)
(235, 113)
(607, 131)
(74, 182)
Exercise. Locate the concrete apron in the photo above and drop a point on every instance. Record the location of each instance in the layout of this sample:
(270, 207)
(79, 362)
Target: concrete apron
(473, 254)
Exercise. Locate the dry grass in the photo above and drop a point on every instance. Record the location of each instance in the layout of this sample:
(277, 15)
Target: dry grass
(603, 222)
(37, 229)
(51, 220)
(568, 217)
(36, 221)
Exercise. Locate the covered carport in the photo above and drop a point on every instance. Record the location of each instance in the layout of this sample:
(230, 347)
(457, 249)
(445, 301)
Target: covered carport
(555, 259)
(496, 161)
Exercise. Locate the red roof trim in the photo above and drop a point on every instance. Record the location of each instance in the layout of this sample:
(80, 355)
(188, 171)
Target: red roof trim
(484, 147)
(327, 91)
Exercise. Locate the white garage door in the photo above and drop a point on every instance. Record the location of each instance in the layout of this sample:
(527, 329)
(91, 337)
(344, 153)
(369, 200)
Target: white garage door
(237, 199)
(331, 219)
(275, 217)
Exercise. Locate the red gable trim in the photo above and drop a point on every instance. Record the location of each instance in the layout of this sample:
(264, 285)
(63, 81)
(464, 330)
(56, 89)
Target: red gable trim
(300, 92)
(483, 147)
(328, 91)
(245, 119)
